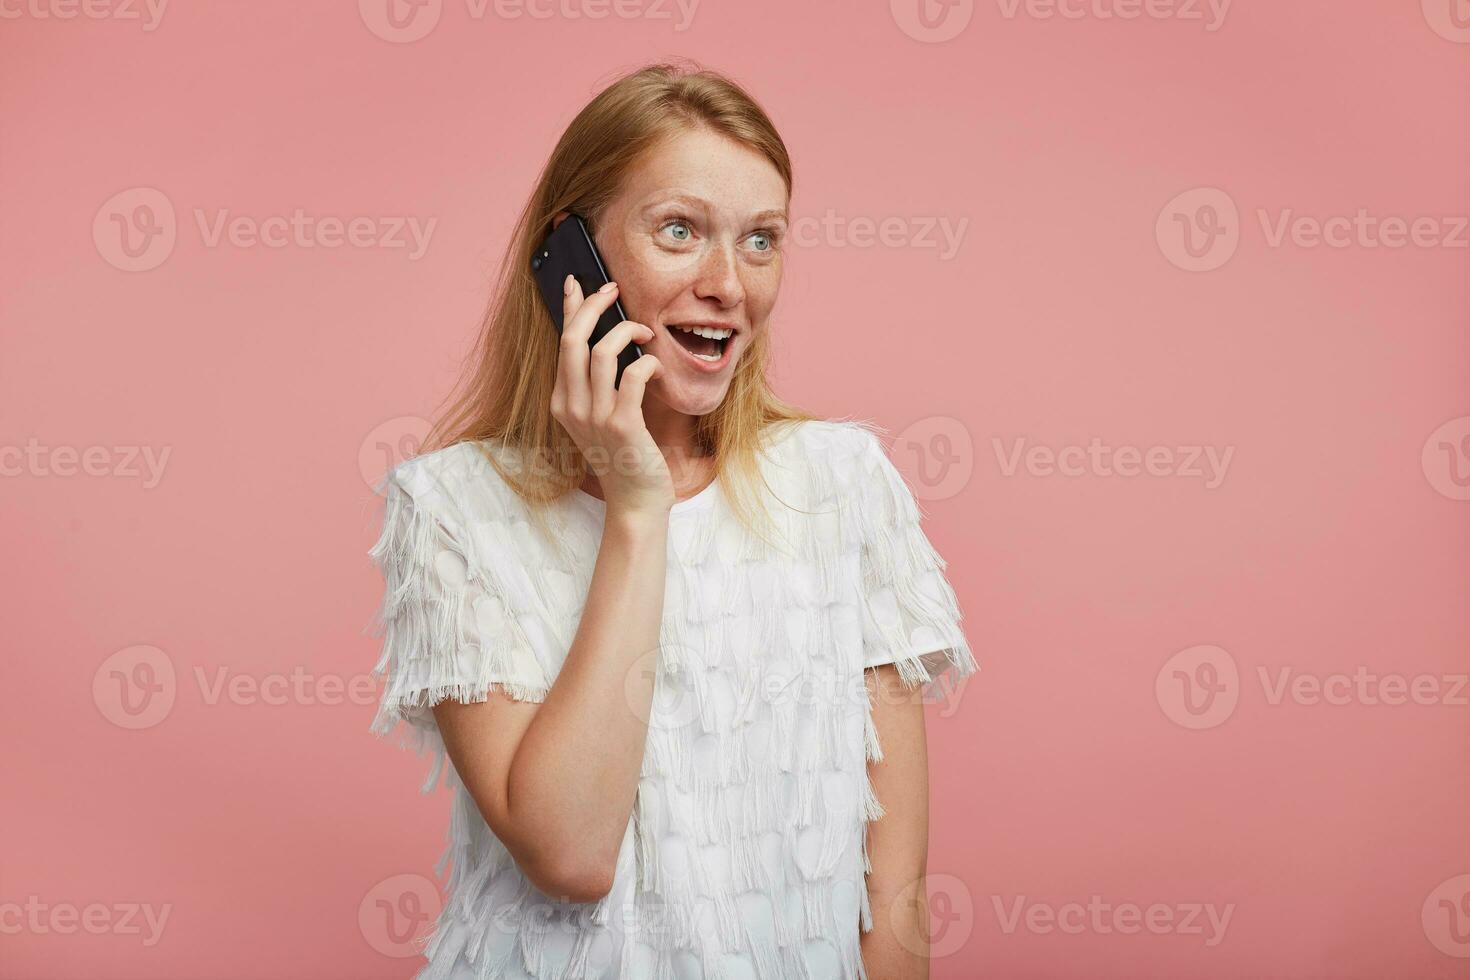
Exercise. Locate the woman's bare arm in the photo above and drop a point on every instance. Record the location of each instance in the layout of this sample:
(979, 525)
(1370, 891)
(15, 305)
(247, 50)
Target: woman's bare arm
(556, 780)
(898, 843)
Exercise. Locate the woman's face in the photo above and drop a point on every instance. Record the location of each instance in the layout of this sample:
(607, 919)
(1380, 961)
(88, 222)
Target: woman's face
(694, 239)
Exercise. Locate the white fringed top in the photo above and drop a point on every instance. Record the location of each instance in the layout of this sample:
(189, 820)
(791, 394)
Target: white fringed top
(746, 853)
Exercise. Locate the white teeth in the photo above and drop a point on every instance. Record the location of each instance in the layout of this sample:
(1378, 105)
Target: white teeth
(707, 357)
(713, 333)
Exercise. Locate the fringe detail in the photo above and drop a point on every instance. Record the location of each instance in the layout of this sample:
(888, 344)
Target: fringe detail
(446, 629)
(748, 837)
(912, 616)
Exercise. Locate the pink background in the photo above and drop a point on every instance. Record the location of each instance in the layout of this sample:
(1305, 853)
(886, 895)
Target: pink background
(274, 378)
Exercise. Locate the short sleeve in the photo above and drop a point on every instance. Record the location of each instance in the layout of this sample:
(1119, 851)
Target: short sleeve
(911, 616)
(448, 626)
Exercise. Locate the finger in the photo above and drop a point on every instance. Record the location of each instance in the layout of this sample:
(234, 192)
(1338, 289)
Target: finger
(571, 363)
(605, 363)
(590, 310)
(635, 382)
(571, 298)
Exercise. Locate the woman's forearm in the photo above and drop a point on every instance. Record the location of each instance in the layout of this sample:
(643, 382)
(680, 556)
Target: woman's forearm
(897, 948)
(574, 778)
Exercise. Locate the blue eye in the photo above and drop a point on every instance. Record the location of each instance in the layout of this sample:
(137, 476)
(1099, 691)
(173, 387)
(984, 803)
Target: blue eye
(766, 238)
(681, 224)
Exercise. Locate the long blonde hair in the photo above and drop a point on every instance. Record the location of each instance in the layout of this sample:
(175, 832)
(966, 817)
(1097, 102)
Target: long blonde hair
(505, 393)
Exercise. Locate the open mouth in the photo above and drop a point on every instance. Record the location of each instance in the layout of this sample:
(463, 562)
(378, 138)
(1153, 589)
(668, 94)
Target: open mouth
(705, 343)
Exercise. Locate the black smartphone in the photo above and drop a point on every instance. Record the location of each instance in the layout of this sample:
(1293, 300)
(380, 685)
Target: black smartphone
(569, 250)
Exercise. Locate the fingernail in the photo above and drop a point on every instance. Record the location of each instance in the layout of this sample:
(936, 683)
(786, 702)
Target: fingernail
(566, 287)
(608, 287)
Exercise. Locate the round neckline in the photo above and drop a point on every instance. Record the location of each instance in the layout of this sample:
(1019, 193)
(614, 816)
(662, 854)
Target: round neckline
(700, 500)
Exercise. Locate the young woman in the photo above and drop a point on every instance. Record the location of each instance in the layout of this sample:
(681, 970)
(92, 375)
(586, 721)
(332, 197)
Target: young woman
(661, 629)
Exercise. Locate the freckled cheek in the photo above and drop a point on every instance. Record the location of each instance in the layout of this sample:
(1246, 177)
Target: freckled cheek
(674, 268)
(643, 288)
(761, 287)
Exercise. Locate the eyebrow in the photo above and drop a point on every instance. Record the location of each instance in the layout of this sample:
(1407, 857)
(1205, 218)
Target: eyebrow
(767, 214)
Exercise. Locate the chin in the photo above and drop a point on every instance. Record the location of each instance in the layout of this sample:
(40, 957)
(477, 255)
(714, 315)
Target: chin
(691, 397)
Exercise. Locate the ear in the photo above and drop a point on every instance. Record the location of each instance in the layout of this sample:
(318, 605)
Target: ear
(560, 217)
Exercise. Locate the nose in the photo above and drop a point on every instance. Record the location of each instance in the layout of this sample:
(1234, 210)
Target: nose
(719, 278)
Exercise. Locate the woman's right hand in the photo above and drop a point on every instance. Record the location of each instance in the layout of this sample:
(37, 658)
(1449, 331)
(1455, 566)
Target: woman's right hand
(605, 422)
